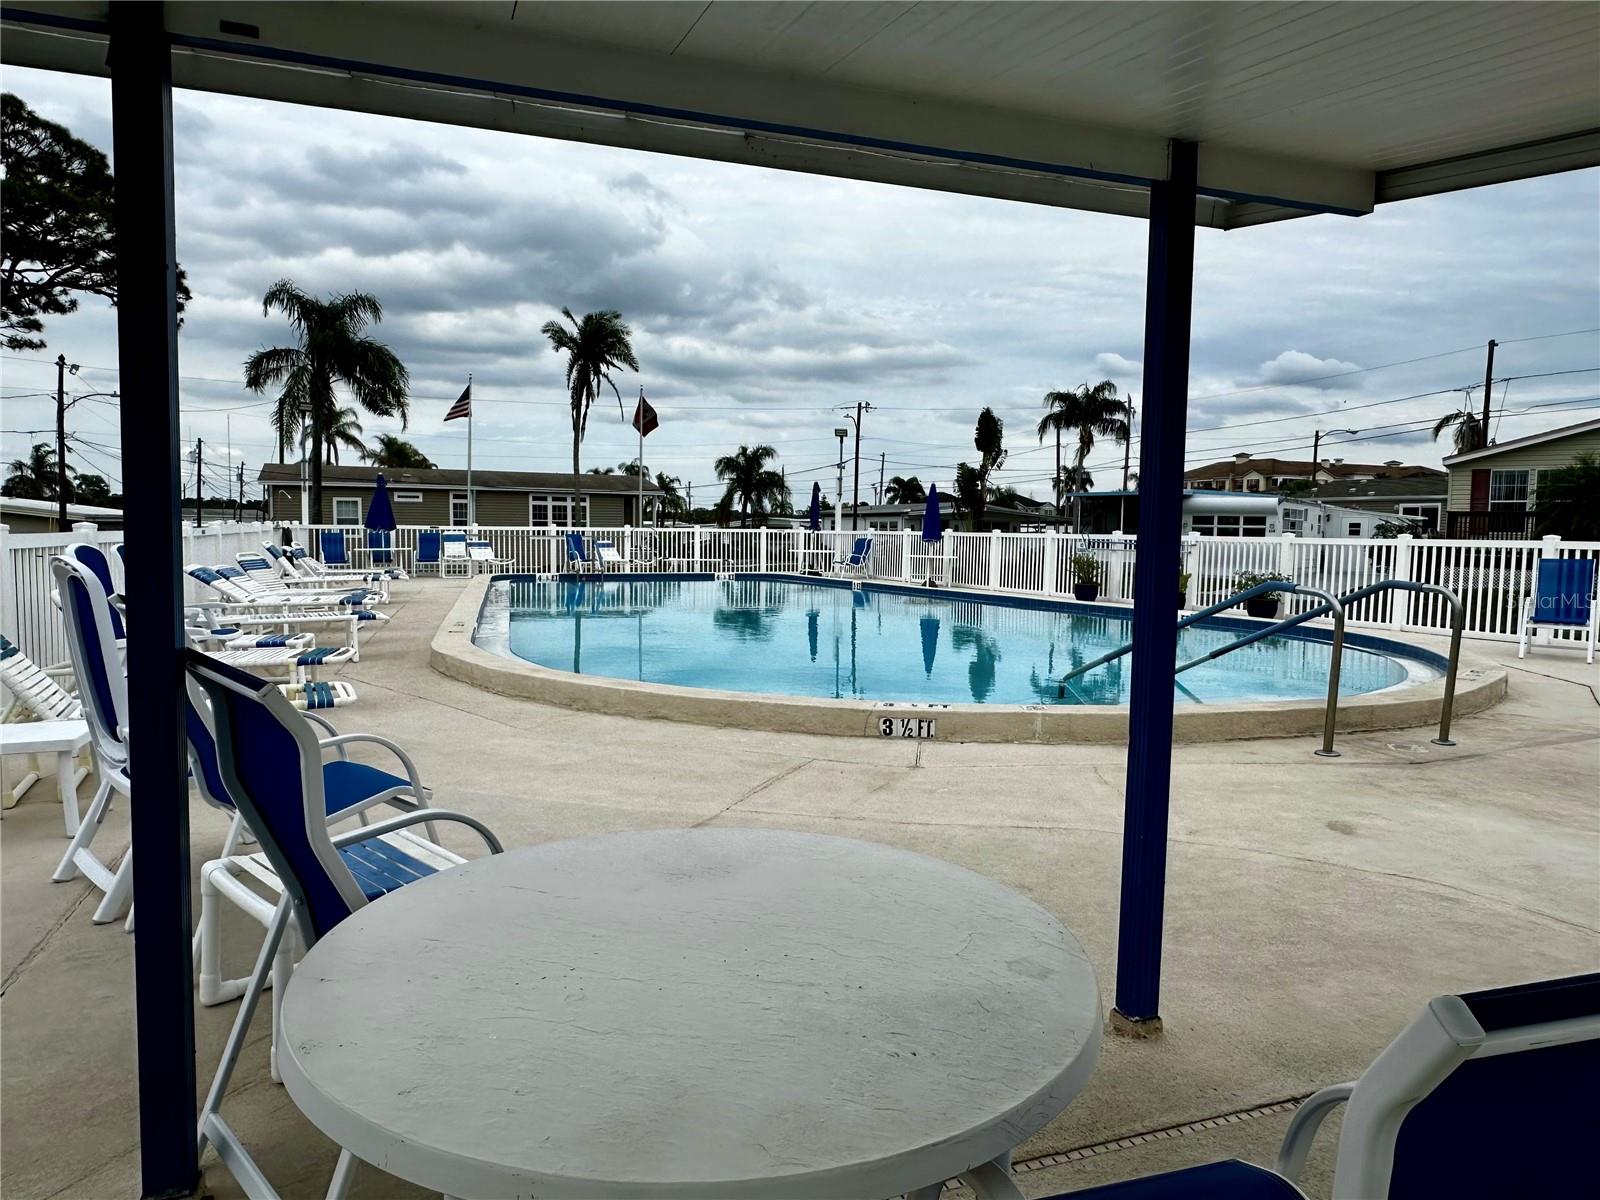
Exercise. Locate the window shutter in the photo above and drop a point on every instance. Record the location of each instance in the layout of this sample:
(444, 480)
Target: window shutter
(1480, 490)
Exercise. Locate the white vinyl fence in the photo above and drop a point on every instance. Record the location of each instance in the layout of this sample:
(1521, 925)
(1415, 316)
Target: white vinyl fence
(1491, 577)
(28, 615)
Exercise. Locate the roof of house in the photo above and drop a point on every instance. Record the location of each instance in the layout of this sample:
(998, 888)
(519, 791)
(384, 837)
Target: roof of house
(1533, 439)
(47, 508)
(1431, 485)
(438, 477)
(1237, 468)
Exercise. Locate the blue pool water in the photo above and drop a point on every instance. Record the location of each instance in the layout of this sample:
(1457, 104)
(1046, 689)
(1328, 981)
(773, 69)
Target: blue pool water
(802, 639)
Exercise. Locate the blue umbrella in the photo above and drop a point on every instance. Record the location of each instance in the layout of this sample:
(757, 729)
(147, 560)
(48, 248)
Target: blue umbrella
(380, 513)
(814, 517)
(932, 531)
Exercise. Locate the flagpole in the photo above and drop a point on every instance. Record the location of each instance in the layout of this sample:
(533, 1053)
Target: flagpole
(639, 421)
(472, 503)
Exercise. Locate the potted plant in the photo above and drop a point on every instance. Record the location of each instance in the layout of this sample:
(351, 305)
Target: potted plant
(1264, 605)
(1183, 589)
(1085, 577)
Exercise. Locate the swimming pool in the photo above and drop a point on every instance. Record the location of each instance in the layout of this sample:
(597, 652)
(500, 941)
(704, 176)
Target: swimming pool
(815, 639)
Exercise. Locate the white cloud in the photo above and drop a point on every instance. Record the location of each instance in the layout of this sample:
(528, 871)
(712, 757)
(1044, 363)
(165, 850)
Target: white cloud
(1296, 367)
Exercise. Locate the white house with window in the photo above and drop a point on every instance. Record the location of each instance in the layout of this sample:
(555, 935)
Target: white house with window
(1492, 491)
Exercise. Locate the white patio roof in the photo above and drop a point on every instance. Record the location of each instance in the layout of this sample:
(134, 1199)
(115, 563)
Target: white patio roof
(1296, 107)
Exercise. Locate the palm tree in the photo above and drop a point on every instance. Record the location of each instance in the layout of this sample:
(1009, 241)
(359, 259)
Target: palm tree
(344, 430)
(395, 451)
(902, 489)
(1466, 427)
(671, 503)
(594, 346)
(333, 349)
(1091, 412)
(36, 477)
(755, 485)
(972, 483)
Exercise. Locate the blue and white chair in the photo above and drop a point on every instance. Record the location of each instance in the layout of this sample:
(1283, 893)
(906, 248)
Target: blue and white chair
(1563, 598)
(857, 561)
(607, 557)
(269, 763)
(453, 553)
(577, 556)
(260, 570)
(483, 556)
(103, 691)
(428, 553)
(1485, 1094)
(94, 559)
(381, 553)
(303, 566)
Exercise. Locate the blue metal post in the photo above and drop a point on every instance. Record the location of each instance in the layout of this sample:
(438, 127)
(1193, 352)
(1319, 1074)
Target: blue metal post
(147, 355)
(1169, 290)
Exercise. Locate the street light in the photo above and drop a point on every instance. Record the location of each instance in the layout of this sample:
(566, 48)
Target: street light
(841, 433)
(855, 500)
(63, 369)
(1316, 444)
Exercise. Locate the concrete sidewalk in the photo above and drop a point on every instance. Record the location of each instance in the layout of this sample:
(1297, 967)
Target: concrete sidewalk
(1313, 905)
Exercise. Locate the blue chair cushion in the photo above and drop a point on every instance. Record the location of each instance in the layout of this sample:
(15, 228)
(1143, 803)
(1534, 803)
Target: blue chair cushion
(1227, 1180)
(1563, 594)
(347, 783)
(379, 868)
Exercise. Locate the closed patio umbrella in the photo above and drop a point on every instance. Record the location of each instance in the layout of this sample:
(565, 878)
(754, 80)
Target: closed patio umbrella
(814, 516)
(380, 521)
(932, 528)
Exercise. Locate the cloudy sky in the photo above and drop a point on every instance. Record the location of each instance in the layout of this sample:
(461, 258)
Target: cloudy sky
(763, 302)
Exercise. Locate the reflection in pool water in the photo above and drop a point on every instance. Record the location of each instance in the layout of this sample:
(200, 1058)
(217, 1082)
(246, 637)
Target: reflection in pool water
(790, 638)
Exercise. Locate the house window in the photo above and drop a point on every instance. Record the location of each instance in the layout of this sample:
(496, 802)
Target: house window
(460, 510)
(407, 497)
(564, 512)
(1252, 485)
(1508, 491)
(1425, 515)
(1294, 520)
(1229, 525)
(347, 510)
(1353, 529)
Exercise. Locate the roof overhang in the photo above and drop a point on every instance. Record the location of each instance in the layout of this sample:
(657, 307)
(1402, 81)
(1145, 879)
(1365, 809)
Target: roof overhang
(1532, 439)
(745, 83)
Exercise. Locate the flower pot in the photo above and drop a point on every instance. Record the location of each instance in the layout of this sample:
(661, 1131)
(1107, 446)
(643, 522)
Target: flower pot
(1086, 591)
(1262, 606)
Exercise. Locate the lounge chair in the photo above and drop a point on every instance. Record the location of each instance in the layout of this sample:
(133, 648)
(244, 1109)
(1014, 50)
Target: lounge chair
(1563, 598)
(33, 689)
(856, 562)
(261, 571)
(482, 555)
(606, 556)
(1484, 1094)
(428, 552)
(349, 789)
(577, 558)
(103, 687)
(237, 608)
(269, 764)
(453, 543)
(306, 567)
(269, 593)
(294, 655)
(381, 554)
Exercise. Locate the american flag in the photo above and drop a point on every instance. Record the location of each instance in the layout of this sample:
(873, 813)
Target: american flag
(462, 407)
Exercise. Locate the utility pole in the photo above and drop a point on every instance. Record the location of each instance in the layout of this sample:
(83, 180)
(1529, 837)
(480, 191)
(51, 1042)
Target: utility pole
(61, 443)
(1488, 381)
(199, 473)
(883, 457)
(855, 491)
(238, 504)
(1127, 444)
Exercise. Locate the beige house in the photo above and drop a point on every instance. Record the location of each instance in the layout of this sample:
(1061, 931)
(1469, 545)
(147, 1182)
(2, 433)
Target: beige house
(1246, 473)
(438, 497)
(1492, 491)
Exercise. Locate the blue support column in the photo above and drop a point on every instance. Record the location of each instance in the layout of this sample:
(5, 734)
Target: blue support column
(1169, 291)
(147, 355)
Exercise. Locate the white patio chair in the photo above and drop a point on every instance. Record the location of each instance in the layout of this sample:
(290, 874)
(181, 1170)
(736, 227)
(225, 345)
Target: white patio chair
(482, 555)
(36, 695)
(270, 764)
(455, 557)
(606, 556)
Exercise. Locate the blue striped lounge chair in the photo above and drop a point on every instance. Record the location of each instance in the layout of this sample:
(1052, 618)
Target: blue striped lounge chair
(269, 764)
(855, 563)
(1562, 598)
(1484, 1094)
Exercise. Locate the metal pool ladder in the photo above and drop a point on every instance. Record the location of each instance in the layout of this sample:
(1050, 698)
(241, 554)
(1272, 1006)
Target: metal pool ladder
(1330, 604)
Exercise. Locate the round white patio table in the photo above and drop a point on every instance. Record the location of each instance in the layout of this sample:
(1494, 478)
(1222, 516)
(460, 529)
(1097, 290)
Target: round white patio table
(691, 1013)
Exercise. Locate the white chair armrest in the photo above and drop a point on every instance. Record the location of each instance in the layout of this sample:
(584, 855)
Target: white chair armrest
(344, 739)
(319, 719)
(1303, 1128)
(420, 816)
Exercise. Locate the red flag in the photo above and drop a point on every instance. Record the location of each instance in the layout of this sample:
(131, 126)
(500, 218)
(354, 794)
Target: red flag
(462, 407)
(644, 417)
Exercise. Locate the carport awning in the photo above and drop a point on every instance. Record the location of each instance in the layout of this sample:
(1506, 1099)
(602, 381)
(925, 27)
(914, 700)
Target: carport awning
(1296, 107)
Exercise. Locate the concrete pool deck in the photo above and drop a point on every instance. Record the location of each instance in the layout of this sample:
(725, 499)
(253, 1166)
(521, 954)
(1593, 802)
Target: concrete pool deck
(1479, 684)
(1313, 905)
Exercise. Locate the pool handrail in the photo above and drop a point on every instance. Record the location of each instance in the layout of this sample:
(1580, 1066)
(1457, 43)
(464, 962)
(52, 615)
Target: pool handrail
(1458, 620)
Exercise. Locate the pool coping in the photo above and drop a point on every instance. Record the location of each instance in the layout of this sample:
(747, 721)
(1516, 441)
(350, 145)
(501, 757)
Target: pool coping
(453, 653)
